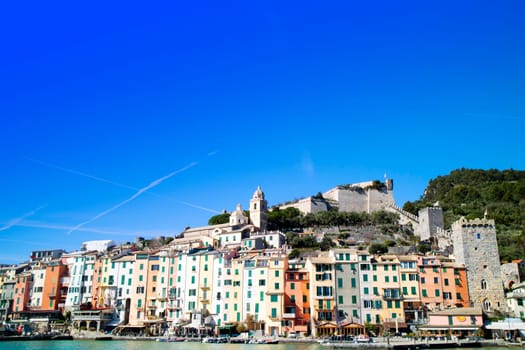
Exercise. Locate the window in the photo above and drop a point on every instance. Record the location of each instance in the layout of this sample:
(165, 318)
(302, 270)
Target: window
(340, 299)
(446, 281)
(437, 292)
(273, 298)
(339, 283)
(292, 286)
(353, 282)
(413, 290)
(354, 299)
(483, 284)
(436, 281)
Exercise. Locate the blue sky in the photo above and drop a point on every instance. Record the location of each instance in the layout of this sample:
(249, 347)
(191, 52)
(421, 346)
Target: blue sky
(200, 102)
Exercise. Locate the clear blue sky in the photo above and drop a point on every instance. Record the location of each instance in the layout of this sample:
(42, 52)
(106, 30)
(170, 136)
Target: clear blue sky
(100, 100)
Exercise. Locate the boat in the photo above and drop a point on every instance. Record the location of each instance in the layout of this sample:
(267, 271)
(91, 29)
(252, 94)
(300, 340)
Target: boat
(170, 339)
(263, 341)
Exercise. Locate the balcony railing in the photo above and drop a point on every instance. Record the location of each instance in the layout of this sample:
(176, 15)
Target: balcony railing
(393, 296)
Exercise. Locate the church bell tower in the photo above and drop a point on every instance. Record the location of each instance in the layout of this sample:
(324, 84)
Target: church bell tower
(258, 209)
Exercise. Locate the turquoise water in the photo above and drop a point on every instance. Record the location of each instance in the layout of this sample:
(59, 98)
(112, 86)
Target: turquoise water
(143, 345)
(152, 345)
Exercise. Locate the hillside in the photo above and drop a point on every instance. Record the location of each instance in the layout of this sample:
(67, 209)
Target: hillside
(472, 192)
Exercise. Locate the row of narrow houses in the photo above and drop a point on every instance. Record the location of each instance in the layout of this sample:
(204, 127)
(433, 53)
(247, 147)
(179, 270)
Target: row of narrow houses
(238, 276)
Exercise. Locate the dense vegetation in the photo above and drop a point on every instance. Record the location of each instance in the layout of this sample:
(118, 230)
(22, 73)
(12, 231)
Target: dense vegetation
(223, 218)
(471, 192)
(292, 219)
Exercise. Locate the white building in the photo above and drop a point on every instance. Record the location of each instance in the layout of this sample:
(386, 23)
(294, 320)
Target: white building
(81, 268)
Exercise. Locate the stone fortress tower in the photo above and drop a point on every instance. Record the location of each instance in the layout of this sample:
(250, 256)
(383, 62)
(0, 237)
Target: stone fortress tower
(476, 247)
(430, 222)
(258, 210)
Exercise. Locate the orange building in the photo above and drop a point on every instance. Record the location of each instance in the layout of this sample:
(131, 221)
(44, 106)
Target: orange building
(442, 282)
(297, 312)
(22, 292)
(54, 295)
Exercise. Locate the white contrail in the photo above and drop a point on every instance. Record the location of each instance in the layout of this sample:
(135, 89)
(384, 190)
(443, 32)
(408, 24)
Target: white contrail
(15, 221)
(101, 179)
(110, 232)
(76, 172)
(138, 193)
(51, 226)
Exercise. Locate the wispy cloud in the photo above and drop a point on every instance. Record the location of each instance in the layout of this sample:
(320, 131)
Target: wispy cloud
(134, 196)
(15, 221)
(118, 184)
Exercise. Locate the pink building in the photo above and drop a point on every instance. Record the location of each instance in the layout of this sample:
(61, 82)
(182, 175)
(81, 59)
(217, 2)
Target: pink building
(460, 322)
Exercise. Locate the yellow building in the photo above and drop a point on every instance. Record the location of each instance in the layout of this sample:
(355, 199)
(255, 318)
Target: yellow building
(322, 294)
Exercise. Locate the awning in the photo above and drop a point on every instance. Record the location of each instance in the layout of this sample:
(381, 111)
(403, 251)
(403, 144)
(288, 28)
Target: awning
(228, 326)
(352, 325)
(327, 325)
(393, 325)
(452, 328)
(507, 324)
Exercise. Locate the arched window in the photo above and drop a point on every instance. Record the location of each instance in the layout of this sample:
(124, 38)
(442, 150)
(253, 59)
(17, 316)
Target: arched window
(483, 284)
(487, 305)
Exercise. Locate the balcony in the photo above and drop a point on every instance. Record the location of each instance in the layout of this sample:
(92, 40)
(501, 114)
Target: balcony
(205, 301)
(289, 315)
(152, 306)
(205, 287)
(172, 296)
(393, 296)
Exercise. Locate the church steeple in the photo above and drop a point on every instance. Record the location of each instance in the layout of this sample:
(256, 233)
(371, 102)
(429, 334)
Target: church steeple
(258, 209)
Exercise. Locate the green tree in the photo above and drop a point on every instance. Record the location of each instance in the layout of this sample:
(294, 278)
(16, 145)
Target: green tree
(223, 218)
(377, 248)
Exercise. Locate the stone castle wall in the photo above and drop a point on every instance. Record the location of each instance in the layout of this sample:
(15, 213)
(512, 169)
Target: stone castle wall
(360, 199)
(307, 205)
